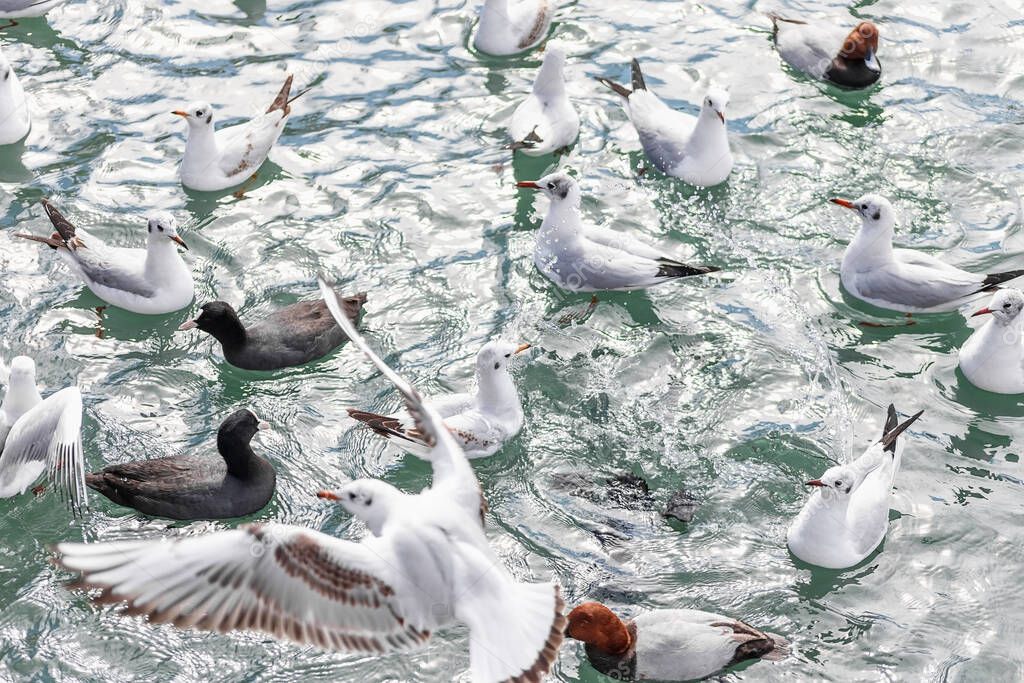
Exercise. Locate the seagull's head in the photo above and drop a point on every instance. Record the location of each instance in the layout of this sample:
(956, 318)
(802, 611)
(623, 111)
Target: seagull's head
(875, 210)
(494, 356)
(219, 319)
(557, 186)
(837, 481)
(714, 103)
(367, 499)
(198, 114)
(163, 227)
(1005, 306)
(23, 371)
(241, 425)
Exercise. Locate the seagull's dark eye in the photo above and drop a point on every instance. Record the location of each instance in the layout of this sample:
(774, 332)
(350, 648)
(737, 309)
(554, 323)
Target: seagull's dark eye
(838, 483)
(199, 113)
(351, 495)
(1006, 305)
(159, 227)
(497, 365)
(551, 186)
(509, 355)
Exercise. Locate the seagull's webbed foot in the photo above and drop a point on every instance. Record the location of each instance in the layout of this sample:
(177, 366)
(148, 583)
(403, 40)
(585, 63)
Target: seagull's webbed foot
(581, 316)
(246, 186)
(910, 321)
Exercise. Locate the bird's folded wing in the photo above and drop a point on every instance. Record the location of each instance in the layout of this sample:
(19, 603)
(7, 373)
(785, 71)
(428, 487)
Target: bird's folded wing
(621, 240)
(121, 269)
(245, 146)
(50, 433)
(663, 131)
(916, 284)
(294, 583)
(452, 471)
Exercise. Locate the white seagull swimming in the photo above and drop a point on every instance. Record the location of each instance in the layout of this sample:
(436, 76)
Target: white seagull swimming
(694, 149)
(424, 565)
(993, 357)
(510, 26)
(903, 279)
(482, 422)
(847, 516)
(668, 644)
(152, 281)
(22, 9)
(588, 258)
(218, 159)
(15, 121)
(546, 121)
(40, 436)
(828, 52)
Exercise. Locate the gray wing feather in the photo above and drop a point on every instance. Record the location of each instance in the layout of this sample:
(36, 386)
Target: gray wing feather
(51, 433)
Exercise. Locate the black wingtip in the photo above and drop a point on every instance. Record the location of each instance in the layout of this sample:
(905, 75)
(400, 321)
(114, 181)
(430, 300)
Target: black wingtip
(616, 88)
(667, 268)
(993, 280)
(62, 225)
(638, 75)
(889, 440)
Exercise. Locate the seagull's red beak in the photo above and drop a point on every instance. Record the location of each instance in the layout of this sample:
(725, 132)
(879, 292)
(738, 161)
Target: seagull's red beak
(845, 203)
(815, 482)
(327, 495)
(982, 311)
(521, 348)
(178, 240)
(721, 116)
(531, 184)
(178, 112)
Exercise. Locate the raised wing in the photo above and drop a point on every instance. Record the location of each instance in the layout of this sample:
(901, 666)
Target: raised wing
(294, 583)
(452, 472)
(47, 438)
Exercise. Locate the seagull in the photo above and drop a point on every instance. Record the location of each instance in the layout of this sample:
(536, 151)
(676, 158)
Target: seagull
(585, 258)
(218, 159)
(22, 9)
(668, 644)
(696, 150)
(847, 516)
(511, 26)
(481, 422)
(902, 279)
(153, 281)
(14, 116)
(424, 565)
(41, 435)
(546, 121)
(237, 483)
(827, 52)
(993, 357)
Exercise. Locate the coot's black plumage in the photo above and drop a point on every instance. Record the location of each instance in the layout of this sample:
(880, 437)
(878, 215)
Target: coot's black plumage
(295, 335)
(196, 487)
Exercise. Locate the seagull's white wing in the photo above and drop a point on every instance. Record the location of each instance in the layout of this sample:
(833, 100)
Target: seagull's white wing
(245, 147)
(294, 583)
(663, 131)
(918, 282)
(47, 438)
(623, 241)
(452, 472)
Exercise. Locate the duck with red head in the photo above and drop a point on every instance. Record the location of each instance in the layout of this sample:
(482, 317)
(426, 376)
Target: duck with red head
(828, 52)
(668, 644)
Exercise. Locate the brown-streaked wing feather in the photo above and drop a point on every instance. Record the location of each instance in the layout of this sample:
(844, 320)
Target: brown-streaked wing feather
(281, 101)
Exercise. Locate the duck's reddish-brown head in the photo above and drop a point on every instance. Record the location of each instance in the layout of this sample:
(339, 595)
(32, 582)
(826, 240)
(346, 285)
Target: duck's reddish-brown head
(862, 41)
(596, 625)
